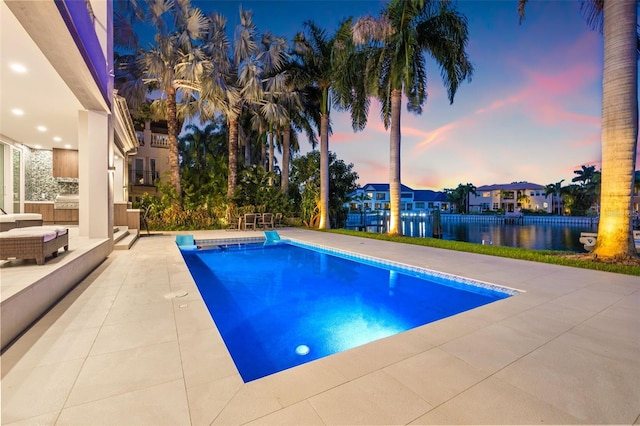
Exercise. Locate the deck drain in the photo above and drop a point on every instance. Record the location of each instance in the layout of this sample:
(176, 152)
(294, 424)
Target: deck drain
(174, 294)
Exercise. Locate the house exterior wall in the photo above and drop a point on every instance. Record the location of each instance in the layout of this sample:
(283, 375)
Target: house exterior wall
(375, 198)
(148, 166)
(512, 198)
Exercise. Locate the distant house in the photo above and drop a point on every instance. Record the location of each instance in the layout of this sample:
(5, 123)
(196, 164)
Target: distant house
(426, 199)
(513, 197)
(376, 197)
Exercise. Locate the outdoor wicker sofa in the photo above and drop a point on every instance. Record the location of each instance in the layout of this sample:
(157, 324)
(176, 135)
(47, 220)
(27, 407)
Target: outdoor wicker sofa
(19, 220)
(36, 242)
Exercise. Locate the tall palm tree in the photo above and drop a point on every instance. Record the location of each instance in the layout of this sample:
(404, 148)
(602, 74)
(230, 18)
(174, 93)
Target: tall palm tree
(322, 57)
(243, 79)
(172, 64)
(619, 122)
(397, 42)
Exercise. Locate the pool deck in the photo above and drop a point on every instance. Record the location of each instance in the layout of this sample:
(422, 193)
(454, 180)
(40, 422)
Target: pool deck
(123, 348)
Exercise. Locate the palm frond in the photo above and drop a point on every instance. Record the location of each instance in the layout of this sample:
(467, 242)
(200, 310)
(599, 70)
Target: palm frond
(244, 37)
(592, 13)
(445, 37)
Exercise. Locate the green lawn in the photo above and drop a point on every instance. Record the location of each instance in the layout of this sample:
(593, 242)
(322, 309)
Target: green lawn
(545, 256)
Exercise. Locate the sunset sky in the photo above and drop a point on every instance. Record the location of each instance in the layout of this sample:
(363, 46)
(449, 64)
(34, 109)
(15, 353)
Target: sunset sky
(531, 112)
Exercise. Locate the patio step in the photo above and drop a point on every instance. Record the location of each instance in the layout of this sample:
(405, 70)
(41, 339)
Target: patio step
(124, 238)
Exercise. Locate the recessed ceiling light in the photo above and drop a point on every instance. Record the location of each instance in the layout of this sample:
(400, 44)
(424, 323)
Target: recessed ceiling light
(67, 146)
(57, 138)
(18, 68)
(41, 128)
(17, 111)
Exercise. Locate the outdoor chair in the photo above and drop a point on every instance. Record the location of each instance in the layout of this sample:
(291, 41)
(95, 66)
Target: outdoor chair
(277, 220)
(19, 220)
(250, 221)
(234, 223)
(37, 242)
(267, 221)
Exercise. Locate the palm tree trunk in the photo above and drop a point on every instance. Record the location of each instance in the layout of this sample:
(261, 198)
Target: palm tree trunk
(172, 129)
(272, 136)
(619, 128)
(324, 172)
(247, 152)
(286, 153)
(394, 163)
(233, 156)
(263, 151)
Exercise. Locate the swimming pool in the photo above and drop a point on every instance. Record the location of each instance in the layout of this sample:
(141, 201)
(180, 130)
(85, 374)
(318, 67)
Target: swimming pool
(281, 305)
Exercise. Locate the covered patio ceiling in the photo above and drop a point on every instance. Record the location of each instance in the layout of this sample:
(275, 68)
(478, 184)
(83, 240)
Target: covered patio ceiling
(37, 106)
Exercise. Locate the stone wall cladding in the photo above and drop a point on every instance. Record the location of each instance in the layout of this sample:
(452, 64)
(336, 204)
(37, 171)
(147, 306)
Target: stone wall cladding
(40, 185)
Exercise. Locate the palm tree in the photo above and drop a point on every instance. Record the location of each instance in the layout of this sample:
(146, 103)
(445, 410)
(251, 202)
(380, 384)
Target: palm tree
(396, 43)
(243, 79)
(585, 175)
(171, 65)
(203, 161)
(555, 190)
(322, 59)
(619, 122)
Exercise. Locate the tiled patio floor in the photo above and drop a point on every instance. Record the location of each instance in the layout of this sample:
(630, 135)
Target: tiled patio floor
(118, 350)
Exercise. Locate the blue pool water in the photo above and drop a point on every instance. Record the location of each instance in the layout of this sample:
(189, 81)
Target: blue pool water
(279, 306)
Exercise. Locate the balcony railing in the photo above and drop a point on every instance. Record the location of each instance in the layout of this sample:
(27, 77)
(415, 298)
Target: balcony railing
(158, 140)
(140, 137)
(143, 177)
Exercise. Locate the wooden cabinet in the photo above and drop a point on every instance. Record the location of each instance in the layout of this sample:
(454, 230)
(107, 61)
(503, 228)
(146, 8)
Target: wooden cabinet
(65, 163)
(66, 216)
(51, 215)
(45, 209)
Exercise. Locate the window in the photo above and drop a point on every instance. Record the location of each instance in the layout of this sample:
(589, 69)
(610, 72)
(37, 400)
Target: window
(386, 206)
(152, 166)
(409, 206)
(486, 194)
(496, 206)
(431, 204)
(406, 195)
(381, 196)
(420, 205)
(138, 171)
(378, 206)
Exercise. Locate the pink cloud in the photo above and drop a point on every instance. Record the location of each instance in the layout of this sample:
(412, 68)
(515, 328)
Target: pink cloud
(501, 103)
(587, 141)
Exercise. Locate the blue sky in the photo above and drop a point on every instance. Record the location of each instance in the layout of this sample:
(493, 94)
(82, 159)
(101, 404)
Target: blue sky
(531, 112)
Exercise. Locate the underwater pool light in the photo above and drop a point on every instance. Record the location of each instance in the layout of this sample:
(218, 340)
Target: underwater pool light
(302, 350)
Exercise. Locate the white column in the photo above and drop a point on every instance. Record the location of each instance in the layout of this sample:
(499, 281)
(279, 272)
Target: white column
(119, 186)
(96, 201)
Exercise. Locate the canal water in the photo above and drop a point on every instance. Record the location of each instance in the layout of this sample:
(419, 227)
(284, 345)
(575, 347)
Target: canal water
(537, 235)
